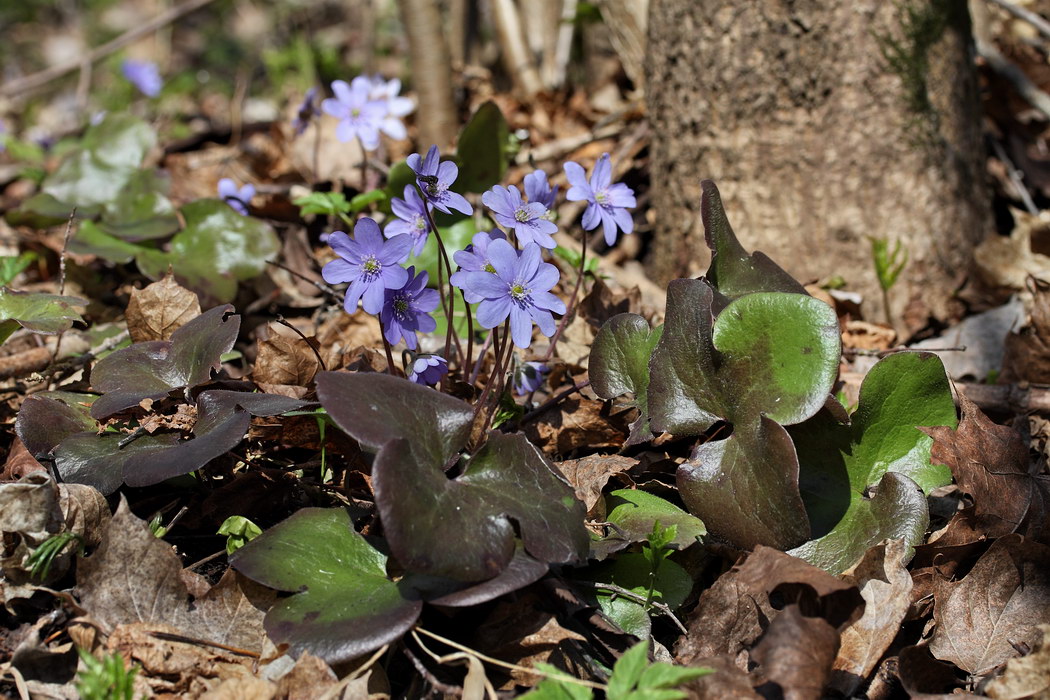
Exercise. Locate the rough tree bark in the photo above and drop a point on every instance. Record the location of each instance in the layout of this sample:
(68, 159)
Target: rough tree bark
(431, 72)
(822, 123)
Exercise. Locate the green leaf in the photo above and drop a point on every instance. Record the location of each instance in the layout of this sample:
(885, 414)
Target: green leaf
(36, 312)
(628, 670)
(635, 512)
(44, 211)
(152, 369)
(456, 237)
(343, 604)
(841, 462)
(559, 686)
(325, 203)
(362, 201)
(632, 571)
(768, 360)
(217, 249)
(12, 266)
(481, 150)
(619, 364)
(734, 272)
(664, 675)
(141, 211)
(92, 240)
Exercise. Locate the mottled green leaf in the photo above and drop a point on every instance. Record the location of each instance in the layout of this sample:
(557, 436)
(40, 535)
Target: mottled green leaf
(141, 211)
(634, 512)
(344, 605)
(733, 271)
(37, 312)
(840, 462)
(619, 364)
(217, 249)
(92, 240)
(481, 149)
(768, 359)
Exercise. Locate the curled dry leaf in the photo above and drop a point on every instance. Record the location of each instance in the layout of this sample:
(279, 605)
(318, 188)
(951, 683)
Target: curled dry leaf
(579, 423)
(886, 586)
(590, 474)
(997, 605)
(162, 308)
(795, 656)
(286, 360)
(734, 612)
(990, 462)
(1027, 677)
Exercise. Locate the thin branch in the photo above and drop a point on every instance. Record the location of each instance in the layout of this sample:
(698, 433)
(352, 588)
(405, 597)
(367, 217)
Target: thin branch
(281, 320)
(1027, 15)
(31, 82)
(551, 402)
(631, 595)
(1016, 177)
(1013, 73)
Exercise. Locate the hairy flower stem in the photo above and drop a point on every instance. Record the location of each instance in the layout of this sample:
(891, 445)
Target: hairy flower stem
(572, 303)
(470, 336)
(448, 302)
(389, 355)
(364, 165)
(481, 357)
(498, 378)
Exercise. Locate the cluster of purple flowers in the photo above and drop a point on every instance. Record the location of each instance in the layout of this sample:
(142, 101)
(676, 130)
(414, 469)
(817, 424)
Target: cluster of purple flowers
(365, 107)
(506, 277)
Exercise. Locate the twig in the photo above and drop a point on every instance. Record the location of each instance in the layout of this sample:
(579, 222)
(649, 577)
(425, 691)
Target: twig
(504, 664)
(324, 288)
(169, 637)
(554, 400)
(62, 275)
(31, 82)
(1016, 177)
(631, 595)
(1013, 73)
(429, 677)
(1027, 15)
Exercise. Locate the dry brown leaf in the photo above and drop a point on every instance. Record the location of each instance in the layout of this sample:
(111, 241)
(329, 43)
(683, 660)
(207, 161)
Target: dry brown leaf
(135, 577)
(886, 586)
(1026, 677)
(589, 475)
(1027, 353)
(162, 308)
(284, 359)
(19, 462)
(579, 423)
(310, 678)
(795, 656)
(726, 683)
(998, 604)
(733, 613)
(601, 303)
(990, 462)
(861, 335)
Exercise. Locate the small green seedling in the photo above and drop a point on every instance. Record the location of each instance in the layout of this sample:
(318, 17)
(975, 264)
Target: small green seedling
(106, 678)
(888, 267)
(39, 562)
(655, 551)
(239, 531)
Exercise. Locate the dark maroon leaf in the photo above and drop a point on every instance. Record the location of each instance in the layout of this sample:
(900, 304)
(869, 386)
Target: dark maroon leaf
(96, 460)
(520, 572)
(507, 483)
(152, 369)
(48, 418)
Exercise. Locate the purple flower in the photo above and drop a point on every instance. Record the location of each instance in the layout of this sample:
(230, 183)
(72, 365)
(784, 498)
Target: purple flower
(474, 258)
(3, 137)
(238, 199)
(385, 92)
(435, 178)
(528, 377)
(525, 219)
(411, 219)
(428, 369)
(407, 310)
(520, 289)
(359, 117)
(368, 263)
(606, 203)
(143, 75)
(306, 113)
(537, 189)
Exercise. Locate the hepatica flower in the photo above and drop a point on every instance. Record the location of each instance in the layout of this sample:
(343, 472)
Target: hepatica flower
(528, 377)
(385, 92)
(435, 178)
(143, 75)
(369, 263)
(428, 369)
(359, 116)
(407, 310)
(306, 113)
(238, 199)
(411, 219)
(519, 289)
(537, 189)
(526, 219)
(474, 258)
(606, 203)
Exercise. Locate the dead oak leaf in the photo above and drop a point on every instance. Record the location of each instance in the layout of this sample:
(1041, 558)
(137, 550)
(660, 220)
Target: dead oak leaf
(579, 423)
(990, 462)
(997, 605)
(162, 308)
(589, 475)
(1027, 677)
(135, 577)
(286, 360)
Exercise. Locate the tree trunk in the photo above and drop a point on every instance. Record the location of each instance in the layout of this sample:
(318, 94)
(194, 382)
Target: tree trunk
(822, 123)
(431, 72)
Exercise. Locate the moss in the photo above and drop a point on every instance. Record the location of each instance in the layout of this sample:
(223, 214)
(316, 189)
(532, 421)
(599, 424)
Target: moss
(922, 24)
